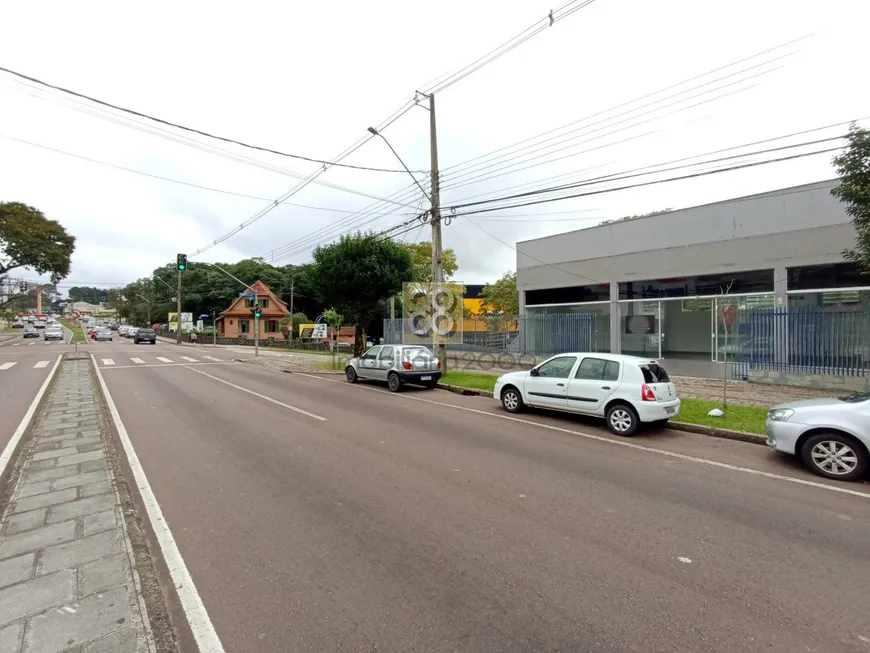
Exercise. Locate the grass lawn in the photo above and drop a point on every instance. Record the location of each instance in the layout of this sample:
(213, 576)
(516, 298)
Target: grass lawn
(736, 418)
(693, 411)
(338, 365)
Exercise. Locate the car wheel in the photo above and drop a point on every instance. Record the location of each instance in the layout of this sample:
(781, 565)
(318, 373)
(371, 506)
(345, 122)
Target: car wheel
(350, 373)
(622, 419)
(512, 400)
(835, 456)
(394, 382)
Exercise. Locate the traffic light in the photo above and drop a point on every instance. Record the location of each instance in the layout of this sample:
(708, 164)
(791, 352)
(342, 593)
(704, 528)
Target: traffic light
(256, 312)
(181, 262)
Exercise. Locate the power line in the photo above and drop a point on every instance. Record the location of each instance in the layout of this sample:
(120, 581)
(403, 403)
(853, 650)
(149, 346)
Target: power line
(648, 183)
(169, 179)
(192, 130)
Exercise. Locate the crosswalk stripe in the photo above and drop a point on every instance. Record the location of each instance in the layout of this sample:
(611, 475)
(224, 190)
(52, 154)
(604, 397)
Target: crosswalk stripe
(212, 358)
(6, 366)
(16, 344)
(41, 364)
(138, 361)
(188, 358)
(108, 361)
(164, 360)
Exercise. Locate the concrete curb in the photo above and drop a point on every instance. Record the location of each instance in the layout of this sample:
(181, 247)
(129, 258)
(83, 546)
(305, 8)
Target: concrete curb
(725, 434)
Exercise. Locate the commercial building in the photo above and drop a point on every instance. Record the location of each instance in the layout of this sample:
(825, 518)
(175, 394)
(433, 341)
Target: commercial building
(670, 285)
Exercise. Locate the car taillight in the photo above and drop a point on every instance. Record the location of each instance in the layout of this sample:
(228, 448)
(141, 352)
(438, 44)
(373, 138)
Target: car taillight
(406, 365)
(646, 393)
(438, 366)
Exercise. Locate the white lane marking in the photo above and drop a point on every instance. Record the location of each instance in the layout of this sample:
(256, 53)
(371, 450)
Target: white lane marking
(138, 361)
(188, 358)
(191, 602)
(108, 361)
(684, 560)
(6, 366)
(139, 367)
(41, 364)
(6, 456)
(16, 344)
(212, 358)
(619, 443)
(257, 394)
(164, 360)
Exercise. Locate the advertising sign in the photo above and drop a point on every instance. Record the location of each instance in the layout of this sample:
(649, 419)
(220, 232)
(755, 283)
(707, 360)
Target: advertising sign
(432, 313)
(312, 331)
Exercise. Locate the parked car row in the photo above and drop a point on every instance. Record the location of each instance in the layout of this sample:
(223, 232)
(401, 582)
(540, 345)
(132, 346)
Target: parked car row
(830, 435)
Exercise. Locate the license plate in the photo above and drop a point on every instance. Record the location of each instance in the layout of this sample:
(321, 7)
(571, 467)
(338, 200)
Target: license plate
(670, 410)
(425, 378)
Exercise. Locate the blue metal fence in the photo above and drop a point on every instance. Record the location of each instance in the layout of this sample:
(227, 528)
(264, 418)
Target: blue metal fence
(806, 340)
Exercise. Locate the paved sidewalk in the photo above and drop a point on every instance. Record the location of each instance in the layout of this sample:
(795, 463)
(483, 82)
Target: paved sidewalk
(66, 580)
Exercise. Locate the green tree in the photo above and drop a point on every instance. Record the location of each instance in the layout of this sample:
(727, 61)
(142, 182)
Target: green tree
(853, 168)
(356, 274)
(501, 302)
(333, 318)
(88, 294)
(421, 260)
(30, 240)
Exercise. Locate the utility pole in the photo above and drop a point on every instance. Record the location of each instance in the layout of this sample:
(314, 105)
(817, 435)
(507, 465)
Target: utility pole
(437, 266)
(178, 311)
(292, 289)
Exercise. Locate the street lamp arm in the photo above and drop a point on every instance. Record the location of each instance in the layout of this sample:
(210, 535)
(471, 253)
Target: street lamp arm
(377, 133)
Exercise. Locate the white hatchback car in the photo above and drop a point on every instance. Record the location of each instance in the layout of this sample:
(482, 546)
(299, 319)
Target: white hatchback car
(625, 390)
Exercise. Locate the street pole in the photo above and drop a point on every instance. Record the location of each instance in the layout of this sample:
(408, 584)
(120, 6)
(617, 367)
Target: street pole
(292, 289)
(178, 309)
(214, 327)
(437, 254)
(256, 332)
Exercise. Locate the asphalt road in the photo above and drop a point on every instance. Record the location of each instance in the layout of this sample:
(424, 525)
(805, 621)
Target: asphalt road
(24, 365)
(426, 521)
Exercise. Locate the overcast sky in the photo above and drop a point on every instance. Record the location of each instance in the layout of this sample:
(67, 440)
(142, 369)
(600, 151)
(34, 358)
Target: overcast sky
(308, 78)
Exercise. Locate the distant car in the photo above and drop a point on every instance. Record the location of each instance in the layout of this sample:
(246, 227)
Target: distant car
(114, 327)
(104, 334)
(53, 332)
(39, 324)
(92, 332)
(30, 332)
(144, 335)
(18, 324)
(397, 365)
(831, 435)
(130, 332)
(625, 390)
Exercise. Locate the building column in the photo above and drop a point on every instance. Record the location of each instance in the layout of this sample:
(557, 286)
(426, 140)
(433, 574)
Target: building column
(780, 319)
(615, 344)
(780, 285)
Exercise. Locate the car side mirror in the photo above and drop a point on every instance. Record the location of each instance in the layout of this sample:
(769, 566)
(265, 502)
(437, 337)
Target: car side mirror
(533, 371)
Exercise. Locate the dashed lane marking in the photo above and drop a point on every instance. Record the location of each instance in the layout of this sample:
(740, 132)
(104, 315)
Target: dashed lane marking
(164, 360)
(108, 361)
(138, 361)
(41, 364)
(6, 366)
(212, 358)
(189, 359)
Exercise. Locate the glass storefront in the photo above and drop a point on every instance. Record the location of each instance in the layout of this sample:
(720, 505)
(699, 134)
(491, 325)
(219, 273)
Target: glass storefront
(551, 329)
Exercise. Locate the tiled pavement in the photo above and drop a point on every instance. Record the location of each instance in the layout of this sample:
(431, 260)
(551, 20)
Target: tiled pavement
(66, 581)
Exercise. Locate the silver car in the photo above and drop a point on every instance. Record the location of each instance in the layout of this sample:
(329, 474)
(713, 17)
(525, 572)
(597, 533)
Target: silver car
(103, 334)
(397, 365)
(831, 435)
(53, 332)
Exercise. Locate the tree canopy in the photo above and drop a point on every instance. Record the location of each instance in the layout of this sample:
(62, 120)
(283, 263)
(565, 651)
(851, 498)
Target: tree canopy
(502, 296)
(30, 240)
(421, 262)
(853, 168)
(88, 294)
(356, 274)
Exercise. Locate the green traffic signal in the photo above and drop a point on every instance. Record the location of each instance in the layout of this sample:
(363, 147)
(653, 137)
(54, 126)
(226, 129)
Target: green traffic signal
(181, 262)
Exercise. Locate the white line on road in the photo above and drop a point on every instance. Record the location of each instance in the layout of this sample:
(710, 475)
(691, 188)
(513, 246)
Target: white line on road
(140, 367)
(16, 344)
(6, 456)
(188, 358)
(629, 445)
(138, 361)
(191, 602)
(6, 366)
(41, 364)
(257, 394)
(108, 361)
(164, 360)
(212, 358)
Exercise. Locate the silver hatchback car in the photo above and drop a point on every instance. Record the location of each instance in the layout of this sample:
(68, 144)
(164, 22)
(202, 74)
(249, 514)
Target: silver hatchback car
(397, 365)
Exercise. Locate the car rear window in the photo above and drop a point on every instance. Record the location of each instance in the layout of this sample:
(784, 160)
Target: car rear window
(144, 332)
(654, 373)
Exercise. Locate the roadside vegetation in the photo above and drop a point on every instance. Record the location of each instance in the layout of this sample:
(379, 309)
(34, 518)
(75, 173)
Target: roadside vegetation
(78, 332)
